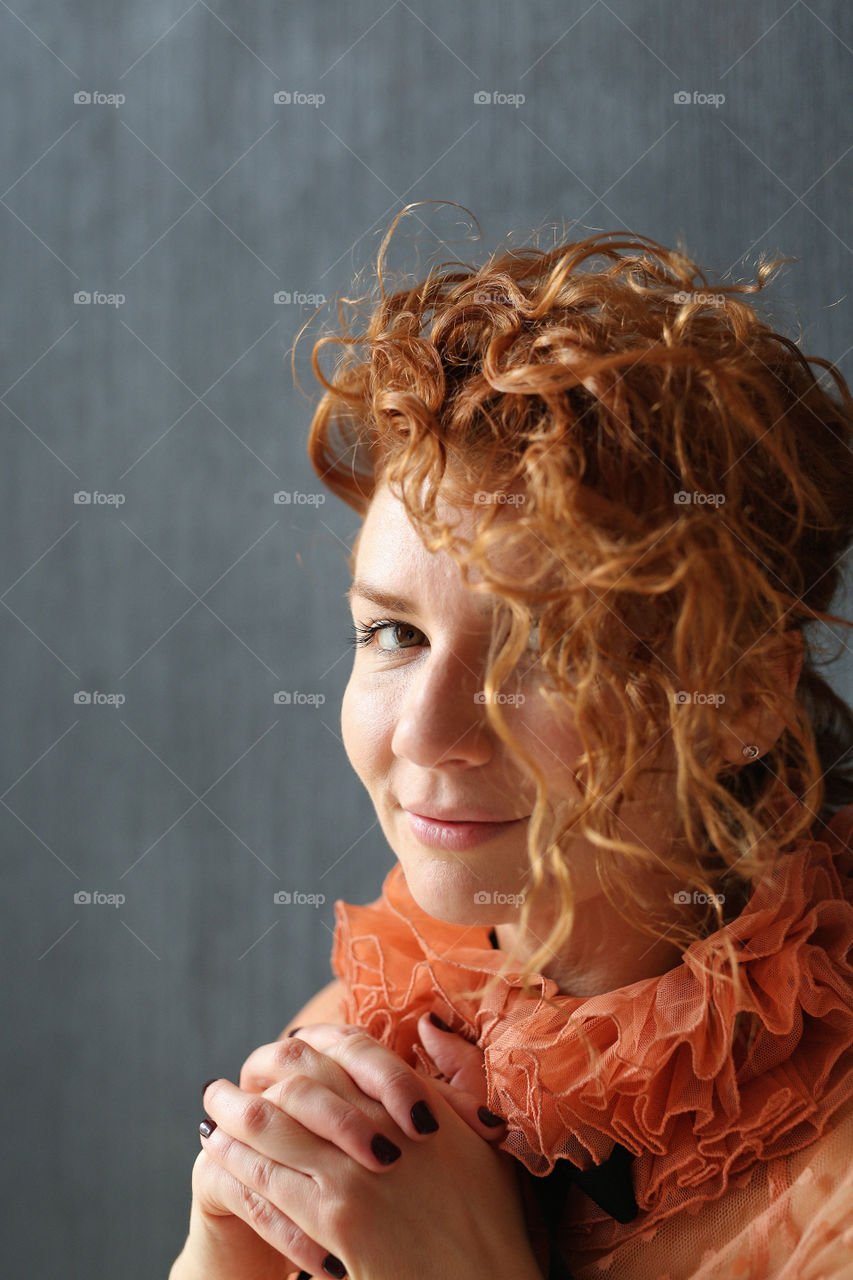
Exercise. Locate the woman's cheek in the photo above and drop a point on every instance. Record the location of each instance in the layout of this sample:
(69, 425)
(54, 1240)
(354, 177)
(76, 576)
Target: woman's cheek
(366, 730)
(553, 742)
(349, 722)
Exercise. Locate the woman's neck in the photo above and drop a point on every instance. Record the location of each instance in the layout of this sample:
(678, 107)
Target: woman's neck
(602, 953)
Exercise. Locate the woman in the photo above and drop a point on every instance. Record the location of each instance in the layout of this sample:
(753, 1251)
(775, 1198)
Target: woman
(600, 1021)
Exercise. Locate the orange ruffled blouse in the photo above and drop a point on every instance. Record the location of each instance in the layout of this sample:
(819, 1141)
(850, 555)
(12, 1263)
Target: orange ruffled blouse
(743, 1152)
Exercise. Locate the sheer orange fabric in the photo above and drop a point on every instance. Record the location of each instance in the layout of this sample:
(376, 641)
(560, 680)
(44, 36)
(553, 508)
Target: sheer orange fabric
(743, 1150)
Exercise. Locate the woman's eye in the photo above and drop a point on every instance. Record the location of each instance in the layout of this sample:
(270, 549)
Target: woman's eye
(391, 635)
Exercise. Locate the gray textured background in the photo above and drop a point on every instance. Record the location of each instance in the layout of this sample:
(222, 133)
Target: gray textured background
(199, 198)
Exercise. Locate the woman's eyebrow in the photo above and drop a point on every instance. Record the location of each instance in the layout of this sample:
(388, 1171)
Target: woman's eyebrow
(387, 599)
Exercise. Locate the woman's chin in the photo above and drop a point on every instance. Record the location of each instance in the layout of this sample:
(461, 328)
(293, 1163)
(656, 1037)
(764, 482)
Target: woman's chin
(457, 895)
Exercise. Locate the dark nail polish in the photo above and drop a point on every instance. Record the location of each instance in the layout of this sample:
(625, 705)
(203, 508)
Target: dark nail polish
(423, 1119)
(206, 1128)
(386, 1152)
(293, 1033)
(303, 1275)
(334, 1267)
(438, 1022)
(488, 1117)
(206, 1086)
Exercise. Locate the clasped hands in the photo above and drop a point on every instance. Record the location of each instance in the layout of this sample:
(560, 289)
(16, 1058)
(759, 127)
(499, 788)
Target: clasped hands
(342, 1160)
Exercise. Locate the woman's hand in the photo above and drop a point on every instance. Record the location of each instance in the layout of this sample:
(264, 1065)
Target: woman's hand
(301, 1166)
(221, 1244)
(459, 1061)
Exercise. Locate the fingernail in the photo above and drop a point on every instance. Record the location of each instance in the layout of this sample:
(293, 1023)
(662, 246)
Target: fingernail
(488, 1117)
(423, 1119)
(206, 1128)
(438, 1022)
(386, 1152)
(206, 1086)
(304, 1275)
(293, 1033)
(334, 1267)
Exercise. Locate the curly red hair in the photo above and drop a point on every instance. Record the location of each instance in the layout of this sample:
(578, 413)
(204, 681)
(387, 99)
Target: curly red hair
(688, 480)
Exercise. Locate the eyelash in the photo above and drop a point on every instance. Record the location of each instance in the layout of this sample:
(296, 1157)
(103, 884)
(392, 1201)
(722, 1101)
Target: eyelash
(363, 635)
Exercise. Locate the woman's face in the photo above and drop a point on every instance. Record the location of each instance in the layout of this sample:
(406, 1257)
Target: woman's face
(417, 734)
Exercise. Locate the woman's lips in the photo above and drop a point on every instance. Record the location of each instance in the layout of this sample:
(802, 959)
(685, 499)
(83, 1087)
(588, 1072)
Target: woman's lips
(456, 835)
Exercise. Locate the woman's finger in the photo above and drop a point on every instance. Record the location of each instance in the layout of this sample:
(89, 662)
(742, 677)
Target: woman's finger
(272, 1063)
(217, 1190)
(381, 1074)
(285, 1122)
(464, 1084)
(460, 1062)
(412, 1112)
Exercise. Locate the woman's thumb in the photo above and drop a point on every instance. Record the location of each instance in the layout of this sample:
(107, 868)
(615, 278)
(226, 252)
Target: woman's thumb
(459, 1061)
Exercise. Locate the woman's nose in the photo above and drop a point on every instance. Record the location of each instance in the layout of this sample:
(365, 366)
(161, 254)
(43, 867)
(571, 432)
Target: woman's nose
(441, 718)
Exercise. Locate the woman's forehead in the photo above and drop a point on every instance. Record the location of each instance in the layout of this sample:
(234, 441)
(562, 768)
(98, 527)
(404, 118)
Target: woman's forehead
(388, 538)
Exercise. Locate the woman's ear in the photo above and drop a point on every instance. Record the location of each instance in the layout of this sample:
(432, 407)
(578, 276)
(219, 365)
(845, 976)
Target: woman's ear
(758, 726)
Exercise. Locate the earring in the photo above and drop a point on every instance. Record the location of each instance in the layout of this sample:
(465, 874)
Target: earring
(751, 751)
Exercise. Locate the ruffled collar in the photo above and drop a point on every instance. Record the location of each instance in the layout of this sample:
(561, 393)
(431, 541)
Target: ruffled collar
(676, 1082)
